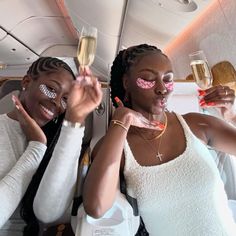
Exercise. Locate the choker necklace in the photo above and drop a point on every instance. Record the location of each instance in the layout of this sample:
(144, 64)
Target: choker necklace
(158, 154)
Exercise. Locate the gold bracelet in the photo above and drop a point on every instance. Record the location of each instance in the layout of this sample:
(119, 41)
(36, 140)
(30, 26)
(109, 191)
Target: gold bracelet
(121, 124)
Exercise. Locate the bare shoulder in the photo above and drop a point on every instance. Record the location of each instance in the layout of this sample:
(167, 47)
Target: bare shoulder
(202, 125)
(198, 119)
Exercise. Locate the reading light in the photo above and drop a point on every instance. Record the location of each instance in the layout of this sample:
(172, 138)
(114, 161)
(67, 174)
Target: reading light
(185, 1)
(186, 5)
(177, 5)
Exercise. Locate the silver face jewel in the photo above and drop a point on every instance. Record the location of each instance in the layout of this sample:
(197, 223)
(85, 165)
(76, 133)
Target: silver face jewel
(46, 91)
(63, 104)
(50, 93)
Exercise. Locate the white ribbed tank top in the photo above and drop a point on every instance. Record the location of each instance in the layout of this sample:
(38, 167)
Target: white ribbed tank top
(183, 197)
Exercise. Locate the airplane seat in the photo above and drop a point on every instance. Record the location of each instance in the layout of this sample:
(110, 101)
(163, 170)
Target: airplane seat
(7, 89)
(9, 86)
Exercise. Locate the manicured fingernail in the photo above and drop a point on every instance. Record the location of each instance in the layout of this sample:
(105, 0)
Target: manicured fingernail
(211, 104)
(117, 99)
(201, 93)
(202, 103)
(161, 126)
(13, 98)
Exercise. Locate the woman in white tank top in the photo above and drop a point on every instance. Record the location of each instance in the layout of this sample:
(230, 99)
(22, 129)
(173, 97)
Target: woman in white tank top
(163, 155)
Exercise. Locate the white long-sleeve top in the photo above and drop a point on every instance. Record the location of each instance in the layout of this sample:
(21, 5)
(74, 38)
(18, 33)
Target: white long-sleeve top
(19, 161)
(55, 193)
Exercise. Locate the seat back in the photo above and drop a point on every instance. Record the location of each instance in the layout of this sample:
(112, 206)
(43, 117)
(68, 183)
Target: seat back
(224, 73)
(8, 88)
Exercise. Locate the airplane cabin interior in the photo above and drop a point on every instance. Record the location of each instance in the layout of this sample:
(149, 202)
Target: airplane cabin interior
(33, 29)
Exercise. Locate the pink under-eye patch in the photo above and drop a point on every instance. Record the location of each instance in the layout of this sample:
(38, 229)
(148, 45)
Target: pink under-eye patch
(169, 86)
(144, 84)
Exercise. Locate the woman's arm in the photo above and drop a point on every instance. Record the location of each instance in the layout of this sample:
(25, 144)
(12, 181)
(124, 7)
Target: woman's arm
(217, 133)
(14, 183)
(222, 135)
(101, 182)
(56, 190)
(17, 164)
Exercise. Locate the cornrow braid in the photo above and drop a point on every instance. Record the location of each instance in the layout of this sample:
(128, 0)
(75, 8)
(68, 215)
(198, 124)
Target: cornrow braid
(122, 64)
(47, 64)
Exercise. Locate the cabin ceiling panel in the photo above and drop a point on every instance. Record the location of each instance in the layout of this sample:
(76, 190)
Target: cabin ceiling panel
(60, 51)
(17, 11)
(32, 28)
(229, 10)
(106, 15)
(156, 21)
(3, 34)
(41, 26)
(43, 33)
(14, 53)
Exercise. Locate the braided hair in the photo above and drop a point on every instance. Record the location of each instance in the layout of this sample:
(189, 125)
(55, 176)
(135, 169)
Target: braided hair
(121, 65)
(52, 130)
(47, 65)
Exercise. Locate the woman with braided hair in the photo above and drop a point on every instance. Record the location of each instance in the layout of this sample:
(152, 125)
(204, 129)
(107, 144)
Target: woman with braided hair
(163, 155)
(31, 132)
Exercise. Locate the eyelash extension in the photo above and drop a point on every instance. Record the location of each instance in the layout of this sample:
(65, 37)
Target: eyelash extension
(44, 89)
(144, 84)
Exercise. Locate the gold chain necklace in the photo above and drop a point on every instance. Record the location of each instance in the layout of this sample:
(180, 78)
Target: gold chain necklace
(158, 154)
(162, 132)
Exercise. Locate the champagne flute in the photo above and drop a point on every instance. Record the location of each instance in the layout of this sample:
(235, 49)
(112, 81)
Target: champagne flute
(200, 69)
(87, 46)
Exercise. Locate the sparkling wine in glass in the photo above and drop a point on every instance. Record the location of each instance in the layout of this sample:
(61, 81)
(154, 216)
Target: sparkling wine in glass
(87, 46)
(200, 69)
